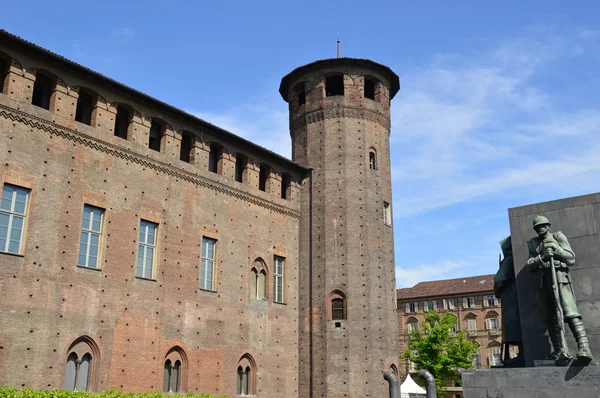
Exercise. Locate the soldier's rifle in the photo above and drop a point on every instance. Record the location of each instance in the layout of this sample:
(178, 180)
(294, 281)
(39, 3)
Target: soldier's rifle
(556, 291)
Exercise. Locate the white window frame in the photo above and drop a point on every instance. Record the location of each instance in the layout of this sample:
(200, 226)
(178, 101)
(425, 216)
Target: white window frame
(449, 304)
(88, 231)
(208, 264)
(278, 279)
(144, 246)
(492, 323)
(387, 213)
(12, 215)
(469, 302)
(490, 301)
(412, 307)
(495, 356)
(410, 326)
(470, 323)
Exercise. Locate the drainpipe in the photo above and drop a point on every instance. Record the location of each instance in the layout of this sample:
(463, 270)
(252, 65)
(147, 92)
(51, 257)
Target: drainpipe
(310, 281)
(430, 383)
(391, 378)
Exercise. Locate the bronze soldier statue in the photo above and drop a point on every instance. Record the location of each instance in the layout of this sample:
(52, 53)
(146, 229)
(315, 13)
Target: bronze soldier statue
(551, 255)
(505, 287)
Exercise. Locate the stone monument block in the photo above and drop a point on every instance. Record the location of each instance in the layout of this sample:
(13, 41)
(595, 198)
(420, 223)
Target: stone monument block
(579, 220)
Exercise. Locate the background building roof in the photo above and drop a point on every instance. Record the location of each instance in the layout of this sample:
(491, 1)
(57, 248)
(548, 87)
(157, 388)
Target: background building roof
(448, 287)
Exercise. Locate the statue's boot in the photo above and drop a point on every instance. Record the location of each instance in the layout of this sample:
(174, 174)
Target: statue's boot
(583, 346)
(559, 353)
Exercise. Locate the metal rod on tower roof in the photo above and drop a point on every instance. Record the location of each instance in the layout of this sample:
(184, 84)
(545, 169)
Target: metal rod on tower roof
(339, 52)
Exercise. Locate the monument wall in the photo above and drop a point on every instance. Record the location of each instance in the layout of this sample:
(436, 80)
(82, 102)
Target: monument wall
(579, 219)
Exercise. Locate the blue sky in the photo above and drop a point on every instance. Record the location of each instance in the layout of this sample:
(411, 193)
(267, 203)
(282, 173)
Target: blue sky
(498, 106)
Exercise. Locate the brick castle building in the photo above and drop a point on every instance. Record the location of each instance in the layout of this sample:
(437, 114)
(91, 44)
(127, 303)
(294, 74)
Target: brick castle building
(145, 249)
(471, 299)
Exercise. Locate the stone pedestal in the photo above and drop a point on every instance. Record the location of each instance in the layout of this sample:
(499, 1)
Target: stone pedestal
(535, 382)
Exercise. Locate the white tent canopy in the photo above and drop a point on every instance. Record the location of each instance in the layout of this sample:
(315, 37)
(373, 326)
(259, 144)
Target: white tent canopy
(410, 389)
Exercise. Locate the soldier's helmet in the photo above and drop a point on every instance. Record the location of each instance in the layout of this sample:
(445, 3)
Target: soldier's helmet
(540, 220)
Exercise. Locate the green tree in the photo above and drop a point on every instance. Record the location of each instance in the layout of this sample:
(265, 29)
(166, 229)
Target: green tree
(438, 349)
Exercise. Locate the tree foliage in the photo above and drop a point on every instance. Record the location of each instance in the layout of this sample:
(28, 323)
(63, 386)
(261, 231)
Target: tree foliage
(438, 349)
(11, 392)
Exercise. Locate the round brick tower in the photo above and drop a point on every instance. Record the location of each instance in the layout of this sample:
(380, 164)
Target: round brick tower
(340, 127)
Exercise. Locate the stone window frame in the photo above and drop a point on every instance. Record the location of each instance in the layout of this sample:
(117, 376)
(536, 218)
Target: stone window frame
(204, 259)
(91, 232)
(372, 158)
(145, 245)
(469, 302)
(387, 213)
(490, 300)
(80, 348)
(492, 318)
(14, 214)
(278, 276)
(335, 296)
(471, 317)
(246, 376)
(175, 359)
(258, 268)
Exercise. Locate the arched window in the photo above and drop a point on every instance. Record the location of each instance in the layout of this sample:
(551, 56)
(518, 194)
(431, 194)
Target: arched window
(173, 371)
(246, 383)
(259, 278)
(85, 106)
(372, 159)
(337, 306)
(412, 324)
(492, 322)
(495, 354)
(80, 365)
(43, 88)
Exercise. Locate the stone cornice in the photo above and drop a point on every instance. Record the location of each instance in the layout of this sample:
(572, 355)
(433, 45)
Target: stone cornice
(125, 154)
(340, 112)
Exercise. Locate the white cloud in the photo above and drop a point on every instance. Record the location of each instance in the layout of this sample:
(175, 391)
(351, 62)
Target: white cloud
(259, 123)
(467, 128)
(408, 277)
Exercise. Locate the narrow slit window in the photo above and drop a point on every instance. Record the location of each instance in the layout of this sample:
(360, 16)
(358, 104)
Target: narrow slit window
(156, 132)
(334, 85)
(300, 94)
(12, 218)
(146, 249)
(207, 270)
(372, 160)
(42, 90)
(85, 106)
(387, 213)
(122, 120)
(91, 231)
(369, 88)
(187, 143)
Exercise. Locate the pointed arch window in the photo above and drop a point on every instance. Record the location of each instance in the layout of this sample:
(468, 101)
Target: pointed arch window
(80, 365)
(246, 383)
(173, 370)
(258, 280)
